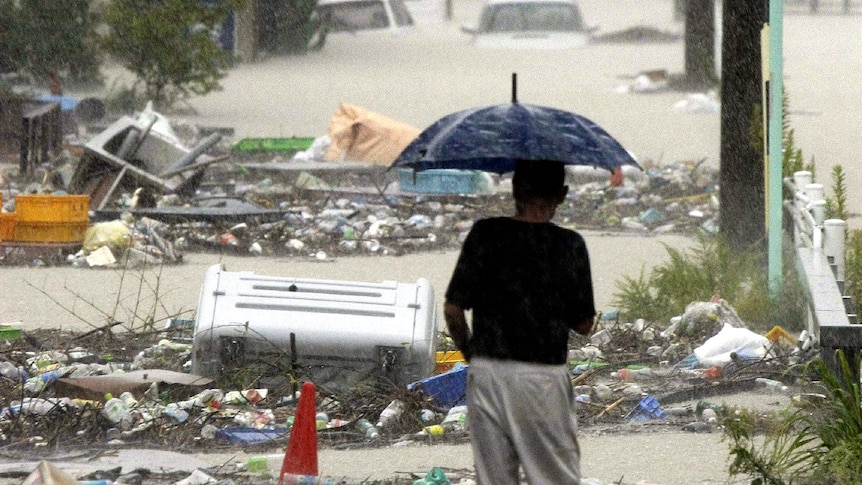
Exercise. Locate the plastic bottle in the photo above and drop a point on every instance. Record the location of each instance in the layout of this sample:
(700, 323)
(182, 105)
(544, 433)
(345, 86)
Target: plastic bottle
(207, 398)
(367, 429)
(709, 416)
(434, 477)
(456, 419)
(630, 375)
(176, 413)
(677, 411)
(129, 399)
(427, 415)
(35, 406)
(112, 434)
(117, 412)
(34, 385)
(9, 370)
(208, 432)
(771, 385)
(390, 414)
(701, 405)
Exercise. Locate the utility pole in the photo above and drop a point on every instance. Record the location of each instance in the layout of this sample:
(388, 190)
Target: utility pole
(742, 170)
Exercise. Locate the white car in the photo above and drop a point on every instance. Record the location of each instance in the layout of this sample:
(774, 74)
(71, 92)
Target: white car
(360, 16)
(531, 24)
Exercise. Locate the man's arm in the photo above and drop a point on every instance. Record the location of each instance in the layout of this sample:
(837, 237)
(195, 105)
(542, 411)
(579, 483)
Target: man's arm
(456, 324)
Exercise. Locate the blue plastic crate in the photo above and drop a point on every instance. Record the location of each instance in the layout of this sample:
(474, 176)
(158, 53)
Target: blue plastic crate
(648, 408)
(447, 389)
(438, 181)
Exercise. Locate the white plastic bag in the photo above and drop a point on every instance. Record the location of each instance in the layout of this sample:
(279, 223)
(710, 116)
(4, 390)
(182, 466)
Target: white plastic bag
(742, 341)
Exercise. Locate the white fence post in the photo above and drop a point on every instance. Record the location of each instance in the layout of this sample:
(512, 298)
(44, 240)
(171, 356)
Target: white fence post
(834, 231)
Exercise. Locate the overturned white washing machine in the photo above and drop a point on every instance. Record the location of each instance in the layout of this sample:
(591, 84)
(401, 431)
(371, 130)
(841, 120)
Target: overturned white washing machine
(336, 333)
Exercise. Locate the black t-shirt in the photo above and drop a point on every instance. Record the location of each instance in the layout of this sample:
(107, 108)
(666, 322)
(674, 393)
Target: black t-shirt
(528, 285)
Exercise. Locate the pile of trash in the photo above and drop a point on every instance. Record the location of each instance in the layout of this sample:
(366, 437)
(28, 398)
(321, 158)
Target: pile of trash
(136, 390)
(126, 241)
(179, 187)
(79, 396)
(285, 220)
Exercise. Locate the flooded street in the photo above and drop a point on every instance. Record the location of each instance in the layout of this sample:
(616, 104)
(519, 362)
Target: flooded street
(418, 77)
(422, 75)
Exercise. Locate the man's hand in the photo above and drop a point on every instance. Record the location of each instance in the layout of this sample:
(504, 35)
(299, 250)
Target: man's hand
(585, 326)
(456, 324)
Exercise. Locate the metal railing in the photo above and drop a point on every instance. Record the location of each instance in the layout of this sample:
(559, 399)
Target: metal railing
(819, 244)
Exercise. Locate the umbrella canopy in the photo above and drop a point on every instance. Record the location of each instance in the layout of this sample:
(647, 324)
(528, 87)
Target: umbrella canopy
(492, 138)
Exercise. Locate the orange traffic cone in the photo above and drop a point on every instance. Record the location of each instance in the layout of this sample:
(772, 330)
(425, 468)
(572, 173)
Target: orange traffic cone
(300, 459)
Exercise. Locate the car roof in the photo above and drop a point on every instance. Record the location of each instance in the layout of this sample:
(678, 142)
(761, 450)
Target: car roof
(336, 2)
(502, 2)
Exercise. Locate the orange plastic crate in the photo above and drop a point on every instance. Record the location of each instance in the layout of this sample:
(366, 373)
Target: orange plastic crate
(7, 225)
(50, 232)
(447, 359)
(52, 208)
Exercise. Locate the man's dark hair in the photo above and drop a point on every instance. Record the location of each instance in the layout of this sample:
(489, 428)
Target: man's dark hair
(543, 179)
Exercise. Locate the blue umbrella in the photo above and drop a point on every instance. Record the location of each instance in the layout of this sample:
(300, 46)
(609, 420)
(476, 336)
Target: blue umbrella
(492, 138)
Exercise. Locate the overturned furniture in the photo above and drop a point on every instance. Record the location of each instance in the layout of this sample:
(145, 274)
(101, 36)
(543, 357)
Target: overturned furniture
(33, 129)
(336, 333)
(140, 152)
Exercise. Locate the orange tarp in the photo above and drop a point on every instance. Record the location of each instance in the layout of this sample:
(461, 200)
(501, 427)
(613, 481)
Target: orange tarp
(360, 135)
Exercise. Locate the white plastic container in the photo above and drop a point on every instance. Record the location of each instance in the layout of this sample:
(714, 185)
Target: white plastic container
(343, 331)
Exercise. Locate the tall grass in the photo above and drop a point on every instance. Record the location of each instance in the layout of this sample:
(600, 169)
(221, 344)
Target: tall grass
(820, 442)
(711, 268)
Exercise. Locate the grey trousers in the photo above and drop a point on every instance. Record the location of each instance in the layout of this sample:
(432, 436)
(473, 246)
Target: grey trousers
(522, 414)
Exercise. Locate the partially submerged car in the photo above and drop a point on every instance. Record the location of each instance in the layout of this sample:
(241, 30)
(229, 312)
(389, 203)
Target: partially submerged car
(531, 24)
(362, 16)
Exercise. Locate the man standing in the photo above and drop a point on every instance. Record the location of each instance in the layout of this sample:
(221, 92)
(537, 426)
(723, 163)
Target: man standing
(528, 284)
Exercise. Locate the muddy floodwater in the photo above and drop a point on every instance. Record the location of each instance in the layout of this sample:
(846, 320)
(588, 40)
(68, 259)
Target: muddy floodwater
(421, 76)
(418, 77)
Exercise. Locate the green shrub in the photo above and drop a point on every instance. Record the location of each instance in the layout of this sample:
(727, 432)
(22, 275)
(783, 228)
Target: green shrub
(836, 206)
(712, 268)
(780, 457)
(820, 442)
(169, 45)
(40, 37)
(838, 424)
(853, 269)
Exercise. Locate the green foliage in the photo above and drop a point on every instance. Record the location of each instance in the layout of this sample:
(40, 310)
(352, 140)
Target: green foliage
(290, 25)
(712, 267)
(783, 453)
(836, 206)
(10, 48)
(636, 296)
(819, 442)
(853, 269)
(169, 45)
(39, 37)
(761, 310)
(838, 425)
